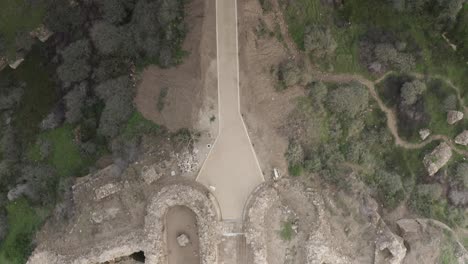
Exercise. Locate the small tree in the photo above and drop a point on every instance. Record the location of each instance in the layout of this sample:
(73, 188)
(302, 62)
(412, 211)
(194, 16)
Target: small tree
(410, 91)
(106, 37)
(113, 11)
(461, 174)
(75, 66)
(348, 100)
(117, 95)
(74, 102)
(319, 41)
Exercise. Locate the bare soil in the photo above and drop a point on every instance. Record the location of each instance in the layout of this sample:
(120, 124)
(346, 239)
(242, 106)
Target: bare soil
(191, 86)
(182, 220)
(263, 108)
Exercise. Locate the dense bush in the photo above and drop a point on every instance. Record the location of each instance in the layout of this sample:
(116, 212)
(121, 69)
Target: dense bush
(117, 95)
(411, 91)
(106, 37)
(319, 41)
(348, 100)
(75, 66)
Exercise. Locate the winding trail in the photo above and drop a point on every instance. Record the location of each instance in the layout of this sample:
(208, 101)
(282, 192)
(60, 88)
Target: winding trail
(390, 113)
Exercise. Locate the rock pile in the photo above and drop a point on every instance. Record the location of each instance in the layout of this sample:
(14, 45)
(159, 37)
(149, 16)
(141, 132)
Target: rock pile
(435, 160)
(424, 133)
(454, 116)
(462, 138)
(183, 240)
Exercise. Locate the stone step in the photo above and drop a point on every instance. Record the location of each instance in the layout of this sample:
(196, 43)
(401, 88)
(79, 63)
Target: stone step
(232, 228)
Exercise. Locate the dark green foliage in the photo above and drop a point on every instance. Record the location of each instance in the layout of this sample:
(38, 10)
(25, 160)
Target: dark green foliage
(411, 92)
(20, 249)
(157, 31)
(295, 170)
(110, 68)
(390, 188)
(74, 101)
(114, 11)
(42, 181)
(75, 66)
(10, 149)
(118, 96)
(459, 33)
(137, 125)
(266, 5)
(3, 224)
(106, 37)
(460, 175)
(63, 16)
(428, 202)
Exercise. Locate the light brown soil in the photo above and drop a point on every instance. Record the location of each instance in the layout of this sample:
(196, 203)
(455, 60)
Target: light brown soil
(191, 86)
(264, 110)
(182, 220)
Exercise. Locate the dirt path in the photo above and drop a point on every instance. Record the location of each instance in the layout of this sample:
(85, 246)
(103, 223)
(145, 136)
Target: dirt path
(390, 113)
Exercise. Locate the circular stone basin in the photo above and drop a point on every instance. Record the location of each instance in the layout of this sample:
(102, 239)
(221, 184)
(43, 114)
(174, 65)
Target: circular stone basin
(181, 220)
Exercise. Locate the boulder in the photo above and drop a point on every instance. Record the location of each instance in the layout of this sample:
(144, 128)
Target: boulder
(454, 116)
(389, 248)
(42, 33)
(16, 63)
(462, 138)
(408, 227)
(424, 133)
(183, 240)
(435, 160)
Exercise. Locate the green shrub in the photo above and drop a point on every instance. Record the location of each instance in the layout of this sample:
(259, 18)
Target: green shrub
(137, 125)
(296, 170)
(23, 221)
(286, 232)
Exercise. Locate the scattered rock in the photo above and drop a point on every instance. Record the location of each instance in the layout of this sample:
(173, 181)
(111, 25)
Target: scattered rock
(424, 133)
(375, 67)
(149, 174)
(16, 63)
(183, 240)
(53, 120)
(389, 248)
(104, 215)
(106, 190)
(454, 116)
(16, 192)
(462, 138)
(187, 161)
(42, 33)
(437, 158)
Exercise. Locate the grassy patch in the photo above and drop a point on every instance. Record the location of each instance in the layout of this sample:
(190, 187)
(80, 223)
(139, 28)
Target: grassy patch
(39, 94)
(138, 125)
(286, 233)
(299, 15)
(433, 106)
(19, 16)
(447, 256)
(23, 221)
(65, 154)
